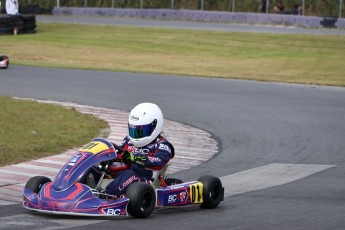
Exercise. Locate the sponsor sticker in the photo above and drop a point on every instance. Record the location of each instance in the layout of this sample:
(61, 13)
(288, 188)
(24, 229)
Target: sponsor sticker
(74, 160)
(177, 198)
(134, 118)
(164, 147)
(113, 211)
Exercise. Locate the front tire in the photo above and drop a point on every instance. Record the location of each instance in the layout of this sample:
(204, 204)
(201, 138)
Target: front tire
(213, 191)
(142, 199)
(35, 183)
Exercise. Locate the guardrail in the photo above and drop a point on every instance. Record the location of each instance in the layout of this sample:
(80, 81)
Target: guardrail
(207, 16)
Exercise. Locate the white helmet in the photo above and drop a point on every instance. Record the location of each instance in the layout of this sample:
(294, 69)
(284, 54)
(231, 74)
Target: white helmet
(145, 123)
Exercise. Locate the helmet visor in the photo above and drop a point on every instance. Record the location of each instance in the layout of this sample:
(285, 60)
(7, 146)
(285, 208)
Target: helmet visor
(140, 131)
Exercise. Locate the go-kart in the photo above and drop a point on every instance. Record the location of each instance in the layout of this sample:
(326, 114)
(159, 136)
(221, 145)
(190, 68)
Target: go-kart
(68, 194)
(4, 62)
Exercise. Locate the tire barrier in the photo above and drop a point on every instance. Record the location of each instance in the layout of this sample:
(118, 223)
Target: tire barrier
(29, 24)
(329, 22)
(17, 24)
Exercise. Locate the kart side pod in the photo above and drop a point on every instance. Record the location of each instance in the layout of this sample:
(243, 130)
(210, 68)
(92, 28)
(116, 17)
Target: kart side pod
(206, 192)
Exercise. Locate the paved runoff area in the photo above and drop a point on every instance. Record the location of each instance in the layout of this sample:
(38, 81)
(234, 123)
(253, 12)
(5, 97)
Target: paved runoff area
(185, 138)
(268, 176)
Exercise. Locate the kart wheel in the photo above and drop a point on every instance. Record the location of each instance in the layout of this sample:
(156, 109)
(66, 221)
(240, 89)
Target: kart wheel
(213, 191)
(142, 199)
(35, 183)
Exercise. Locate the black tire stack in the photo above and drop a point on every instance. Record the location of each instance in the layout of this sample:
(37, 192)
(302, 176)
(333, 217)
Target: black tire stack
(29, 24)
(6, 25)
(17, 24)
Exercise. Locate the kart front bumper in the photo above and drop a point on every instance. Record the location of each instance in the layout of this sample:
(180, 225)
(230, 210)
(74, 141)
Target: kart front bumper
(77, 200)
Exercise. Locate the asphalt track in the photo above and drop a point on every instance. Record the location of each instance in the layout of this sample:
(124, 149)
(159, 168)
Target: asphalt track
(282, 147)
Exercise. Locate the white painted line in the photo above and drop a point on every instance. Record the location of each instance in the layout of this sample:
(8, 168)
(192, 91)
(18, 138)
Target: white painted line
(44, 161)
(12, 192)
(65, 155)
(40, 168)
(196, 151)
(24, 221)
(5, 171)
(5, 202)
(191, 162)
(4, 181)
(267, 176)
(188, 157)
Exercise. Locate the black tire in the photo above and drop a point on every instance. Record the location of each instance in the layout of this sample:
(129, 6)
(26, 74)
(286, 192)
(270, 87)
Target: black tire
(20, 27)
(5, 20)
(142, 199)
(30, 31)
(213, 191)
(6, 25)
(2, 58)
(6, 30)
(29, 18)
(29, 24)
(35, 183)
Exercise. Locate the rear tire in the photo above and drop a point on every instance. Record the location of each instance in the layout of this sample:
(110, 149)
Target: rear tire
(142, 199)
(213, 191)
(35, 183)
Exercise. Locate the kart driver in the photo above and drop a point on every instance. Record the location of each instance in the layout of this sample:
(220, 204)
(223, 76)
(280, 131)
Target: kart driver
(145, 148)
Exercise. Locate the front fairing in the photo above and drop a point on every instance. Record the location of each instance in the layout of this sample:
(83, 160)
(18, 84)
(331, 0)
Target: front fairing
(98, 150)
(76, 200)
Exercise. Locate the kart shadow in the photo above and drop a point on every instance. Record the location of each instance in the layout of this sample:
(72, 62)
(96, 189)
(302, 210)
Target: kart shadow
(75, 217)
(157, 212)
(176, 210)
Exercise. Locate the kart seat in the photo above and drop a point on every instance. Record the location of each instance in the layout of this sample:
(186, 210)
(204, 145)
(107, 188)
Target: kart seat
(158, 177)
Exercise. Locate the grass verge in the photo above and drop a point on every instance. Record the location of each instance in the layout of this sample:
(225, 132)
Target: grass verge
(296, 58)
(31, 130)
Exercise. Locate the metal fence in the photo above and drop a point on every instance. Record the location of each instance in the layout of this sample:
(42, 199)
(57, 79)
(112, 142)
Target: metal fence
(334, 8)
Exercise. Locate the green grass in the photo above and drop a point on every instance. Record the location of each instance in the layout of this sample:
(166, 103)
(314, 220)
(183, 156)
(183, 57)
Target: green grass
(309, 59)
(31, 130)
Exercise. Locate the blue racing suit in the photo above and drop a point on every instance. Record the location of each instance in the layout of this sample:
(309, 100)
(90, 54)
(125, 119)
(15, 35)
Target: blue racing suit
(153, 156)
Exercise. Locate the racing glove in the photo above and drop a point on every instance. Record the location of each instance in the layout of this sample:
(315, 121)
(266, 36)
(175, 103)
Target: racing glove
(129, 157)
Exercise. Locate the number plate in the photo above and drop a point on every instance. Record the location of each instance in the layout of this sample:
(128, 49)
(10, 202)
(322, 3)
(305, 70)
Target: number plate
(94, 147)
(195, 191)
